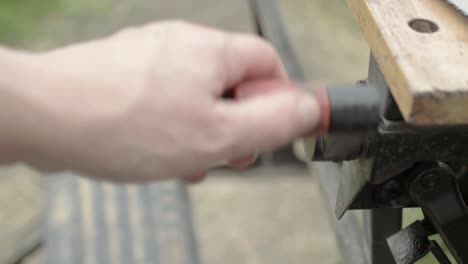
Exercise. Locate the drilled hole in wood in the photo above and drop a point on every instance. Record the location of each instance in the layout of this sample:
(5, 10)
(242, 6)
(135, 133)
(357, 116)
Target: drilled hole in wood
(423, 25)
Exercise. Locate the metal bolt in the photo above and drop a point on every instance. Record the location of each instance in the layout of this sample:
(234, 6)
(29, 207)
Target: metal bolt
(390, 192)
(429, 180)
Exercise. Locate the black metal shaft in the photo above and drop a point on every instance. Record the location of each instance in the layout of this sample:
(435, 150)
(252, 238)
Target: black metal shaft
(353, 108)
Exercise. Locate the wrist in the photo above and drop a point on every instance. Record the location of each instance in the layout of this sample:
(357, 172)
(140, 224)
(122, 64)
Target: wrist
(21, 121)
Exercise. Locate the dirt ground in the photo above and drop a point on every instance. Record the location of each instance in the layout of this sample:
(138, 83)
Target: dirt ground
(266, 215)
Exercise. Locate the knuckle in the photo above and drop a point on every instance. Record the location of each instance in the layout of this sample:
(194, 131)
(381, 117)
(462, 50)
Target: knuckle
(174, 25)
(219, 137)
(267, 49)
(178, 24)
(255, 41)
(129, 31)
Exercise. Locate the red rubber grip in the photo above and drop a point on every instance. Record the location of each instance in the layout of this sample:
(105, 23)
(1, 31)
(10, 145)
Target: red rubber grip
(321, 94)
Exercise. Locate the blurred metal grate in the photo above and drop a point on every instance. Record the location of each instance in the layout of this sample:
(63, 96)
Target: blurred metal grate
(97, 222)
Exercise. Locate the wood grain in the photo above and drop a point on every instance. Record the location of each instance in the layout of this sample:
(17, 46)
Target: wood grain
(427, 72)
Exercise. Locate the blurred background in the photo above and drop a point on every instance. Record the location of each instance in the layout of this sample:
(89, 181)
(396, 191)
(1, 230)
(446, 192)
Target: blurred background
(270, 214)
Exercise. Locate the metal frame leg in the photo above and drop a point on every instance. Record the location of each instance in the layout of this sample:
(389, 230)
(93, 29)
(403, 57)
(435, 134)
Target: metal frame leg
(378, 225)
(381, 223)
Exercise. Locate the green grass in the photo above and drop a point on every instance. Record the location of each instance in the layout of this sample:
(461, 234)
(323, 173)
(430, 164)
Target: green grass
(22, 22)
(20, 18)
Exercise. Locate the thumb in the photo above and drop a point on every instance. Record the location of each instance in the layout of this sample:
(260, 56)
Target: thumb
(275, 116)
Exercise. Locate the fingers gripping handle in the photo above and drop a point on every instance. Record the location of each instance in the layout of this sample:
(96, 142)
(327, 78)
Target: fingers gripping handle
(342, 108)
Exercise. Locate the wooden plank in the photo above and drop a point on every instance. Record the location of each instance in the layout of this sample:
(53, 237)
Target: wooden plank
(427, 71)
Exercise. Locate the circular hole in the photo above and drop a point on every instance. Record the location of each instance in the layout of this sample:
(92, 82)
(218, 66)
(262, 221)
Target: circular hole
(423, 25)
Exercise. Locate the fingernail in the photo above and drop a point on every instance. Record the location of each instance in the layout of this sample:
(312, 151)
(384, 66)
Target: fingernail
(309, 112)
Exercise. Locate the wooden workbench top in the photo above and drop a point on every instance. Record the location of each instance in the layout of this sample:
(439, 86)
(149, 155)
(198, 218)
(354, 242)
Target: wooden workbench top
(421, 47)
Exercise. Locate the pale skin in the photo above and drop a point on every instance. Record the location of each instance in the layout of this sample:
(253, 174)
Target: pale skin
(146, 104)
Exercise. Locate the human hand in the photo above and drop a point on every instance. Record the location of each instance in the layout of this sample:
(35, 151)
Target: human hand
(146, 103)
